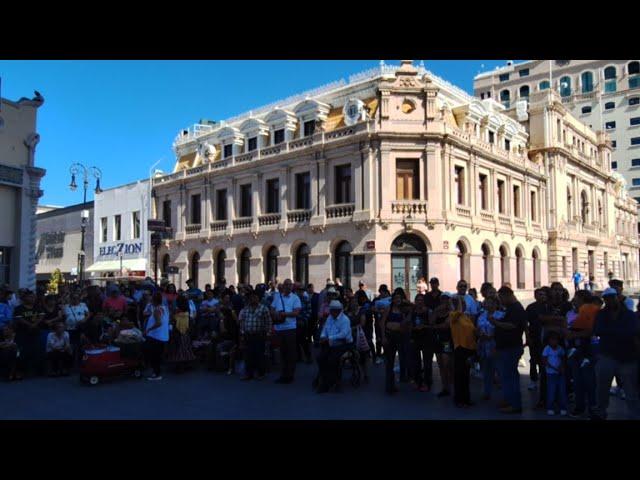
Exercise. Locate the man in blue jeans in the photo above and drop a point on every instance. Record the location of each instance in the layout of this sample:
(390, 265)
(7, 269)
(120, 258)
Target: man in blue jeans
(509, 348)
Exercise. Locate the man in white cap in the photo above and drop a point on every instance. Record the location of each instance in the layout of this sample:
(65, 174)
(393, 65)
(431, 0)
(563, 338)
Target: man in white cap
(335, 339)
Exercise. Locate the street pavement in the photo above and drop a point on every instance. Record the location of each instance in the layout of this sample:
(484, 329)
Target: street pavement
(203, 395)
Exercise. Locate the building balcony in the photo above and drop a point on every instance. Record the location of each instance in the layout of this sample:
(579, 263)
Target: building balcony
(463, 211)
(409, 207)
(486, 216)
(342, 210)
(218, 225)
(267, 219)
(299, 216)
(520, 223)
(242, 222)
(193, 228)
(504, 220)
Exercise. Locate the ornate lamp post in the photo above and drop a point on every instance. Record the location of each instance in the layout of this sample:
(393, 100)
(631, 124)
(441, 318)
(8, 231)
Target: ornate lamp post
(77, 169)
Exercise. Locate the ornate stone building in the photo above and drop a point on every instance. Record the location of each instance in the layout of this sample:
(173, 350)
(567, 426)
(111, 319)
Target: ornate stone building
(19, 190)
(393, 175)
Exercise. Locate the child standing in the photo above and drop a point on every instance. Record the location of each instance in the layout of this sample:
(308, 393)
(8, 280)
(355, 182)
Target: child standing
(553, 360)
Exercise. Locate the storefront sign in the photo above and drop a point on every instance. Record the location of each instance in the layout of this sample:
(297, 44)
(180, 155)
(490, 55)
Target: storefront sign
(121, 249)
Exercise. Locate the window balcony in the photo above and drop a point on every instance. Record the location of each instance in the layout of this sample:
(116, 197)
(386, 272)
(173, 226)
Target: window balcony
(242, 222)
(463, 211)
(218, 225)
(267, 219)
(340, 210)
(193, 228)
(409, 207)
(299, 216)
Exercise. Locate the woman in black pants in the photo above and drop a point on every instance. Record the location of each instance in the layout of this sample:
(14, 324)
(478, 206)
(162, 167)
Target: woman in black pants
(394, 325)
(156, 334)
(423, 346)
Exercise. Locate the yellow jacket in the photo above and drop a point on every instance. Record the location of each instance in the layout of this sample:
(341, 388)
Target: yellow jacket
(463, 331)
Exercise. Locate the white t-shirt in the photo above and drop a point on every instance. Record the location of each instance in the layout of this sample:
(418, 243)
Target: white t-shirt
(554, 358)
(74, 314)
(162, 332)
(284, 303)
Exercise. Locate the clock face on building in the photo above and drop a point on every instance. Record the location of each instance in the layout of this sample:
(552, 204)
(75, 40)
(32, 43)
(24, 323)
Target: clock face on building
(352, 111)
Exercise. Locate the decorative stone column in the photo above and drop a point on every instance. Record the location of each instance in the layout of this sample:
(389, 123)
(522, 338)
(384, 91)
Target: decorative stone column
(30, 194)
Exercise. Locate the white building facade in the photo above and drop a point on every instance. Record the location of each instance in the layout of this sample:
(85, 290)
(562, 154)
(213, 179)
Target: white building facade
(394, 175)
(19, 190)
(121, 243)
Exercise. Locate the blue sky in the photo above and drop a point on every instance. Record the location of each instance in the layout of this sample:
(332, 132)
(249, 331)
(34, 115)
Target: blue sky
(122, 116)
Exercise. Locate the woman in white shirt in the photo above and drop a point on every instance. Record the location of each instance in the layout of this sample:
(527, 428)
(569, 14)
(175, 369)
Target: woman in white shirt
(59, 350)
(75, 316)
(156, 332)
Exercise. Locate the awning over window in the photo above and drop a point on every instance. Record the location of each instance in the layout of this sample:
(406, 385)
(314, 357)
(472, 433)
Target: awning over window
(131, 264)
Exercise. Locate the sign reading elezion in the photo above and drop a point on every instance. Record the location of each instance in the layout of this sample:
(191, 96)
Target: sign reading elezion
(124, 248)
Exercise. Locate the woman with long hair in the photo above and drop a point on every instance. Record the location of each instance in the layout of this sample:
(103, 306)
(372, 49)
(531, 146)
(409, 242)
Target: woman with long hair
(463, 333)
(180, 351)
(393, 324)
(439, 323)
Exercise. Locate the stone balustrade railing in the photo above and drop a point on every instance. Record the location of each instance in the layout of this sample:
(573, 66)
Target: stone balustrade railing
(409, 207)
(298, 216)
(340, 210)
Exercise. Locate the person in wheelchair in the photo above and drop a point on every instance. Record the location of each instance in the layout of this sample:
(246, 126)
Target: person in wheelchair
(335, 340)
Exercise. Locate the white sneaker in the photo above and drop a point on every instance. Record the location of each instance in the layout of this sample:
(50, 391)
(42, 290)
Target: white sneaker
(563, 413)
(155, 377)
(551, 413)
(533, 386)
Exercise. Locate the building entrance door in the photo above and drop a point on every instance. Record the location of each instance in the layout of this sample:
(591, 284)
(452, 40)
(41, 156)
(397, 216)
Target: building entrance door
(408, 263)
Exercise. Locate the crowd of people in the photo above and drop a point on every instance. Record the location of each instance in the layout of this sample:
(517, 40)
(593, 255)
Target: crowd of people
(576, 346)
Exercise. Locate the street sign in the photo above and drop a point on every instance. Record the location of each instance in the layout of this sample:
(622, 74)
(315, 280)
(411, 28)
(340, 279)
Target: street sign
(172, 270)
(156, 239)
(156, 225)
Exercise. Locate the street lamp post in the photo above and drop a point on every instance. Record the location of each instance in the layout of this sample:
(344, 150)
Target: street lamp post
(77, 169)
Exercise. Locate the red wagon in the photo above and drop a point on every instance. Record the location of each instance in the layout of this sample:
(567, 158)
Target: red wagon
(100, 362)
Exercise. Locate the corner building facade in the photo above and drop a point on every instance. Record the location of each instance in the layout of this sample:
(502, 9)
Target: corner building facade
(393, 175)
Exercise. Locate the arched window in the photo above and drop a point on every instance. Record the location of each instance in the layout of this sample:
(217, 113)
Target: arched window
(301, 273)
(536, 268)
(524, 91)
(587, 82)
(220, 267)
(584, 207)
(633, 68)
(565, 86)
(610, 79)
(487, 262)
(194, 268)
(244, 266)
(505, 98)
(504, 265)
(543, 85)
(463, 261)
(520, 269)
(343, 263)
(271, 265)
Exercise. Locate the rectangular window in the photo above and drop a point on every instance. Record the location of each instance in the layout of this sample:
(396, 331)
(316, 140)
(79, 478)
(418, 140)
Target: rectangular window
(614, 165)
(135, 220)
(507, 144)
(634, 101)
(166, 212)
(635, 182)
(564, 267)
(103, 222)
(635, 141)
(491, 136)
(358, 264)
(309, 128)
(482, 96)
(228, 151)
(484, 193)
(245, 200)
(252, 144)
(273, 195)
(488, 94)
(635, 162)
(117, 228)
(613, 144)
(516, 201)
(634, 82)
(504, 77)
(343, 184)
(534, 207)
(278, 136)
(610, 125)
(524, 72)
(501, 196)
(634, 121)
(195, 209)
(459, 180)
(221, 204)
(303, 191)
(407, 183)
(5, 262)
(586, 110)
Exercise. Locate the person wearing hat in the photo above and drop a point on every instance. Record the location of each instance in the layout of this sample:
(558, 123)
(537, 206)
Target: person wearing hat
(115, 305)
(618, 331)
(335, 339)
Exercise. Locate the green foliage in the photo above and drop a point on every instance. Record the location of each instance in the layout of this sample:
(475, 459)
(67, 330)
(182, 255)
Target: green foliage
(55, 282)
